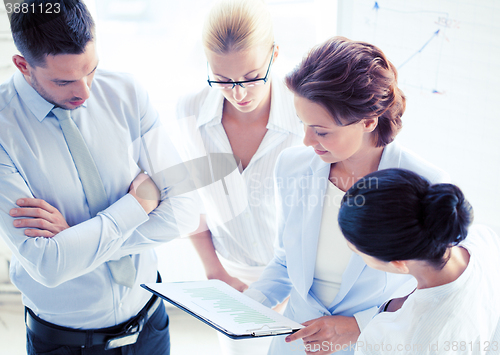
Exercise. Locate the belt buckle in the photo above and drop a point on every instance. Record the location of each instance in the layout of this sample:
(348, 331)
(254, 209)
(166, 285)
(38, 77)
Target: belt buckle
(130, 337)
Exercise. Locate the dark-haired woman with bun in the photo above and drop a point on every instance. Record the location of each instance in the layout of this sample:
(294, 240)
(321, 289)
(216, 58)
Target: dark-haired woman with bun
(404, 225)
(346, 95)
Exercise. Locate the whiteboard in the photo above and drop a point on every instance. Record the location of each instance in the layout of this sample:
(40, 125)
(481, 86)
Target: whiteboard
(448, 58)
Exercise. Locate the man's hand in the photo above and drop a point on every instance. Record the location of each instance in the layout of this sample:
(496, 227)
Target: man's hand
(145, 192)
(46, 218)
(327, 334)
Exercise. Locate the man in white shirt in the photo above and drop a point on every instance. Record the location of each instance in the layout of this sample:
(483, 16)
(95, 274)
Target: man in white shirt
(73, 140)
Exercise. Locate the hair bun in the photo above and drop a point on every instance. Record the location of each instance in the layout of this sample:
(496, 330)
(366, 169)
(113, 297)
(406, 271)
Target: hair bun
(446, 214)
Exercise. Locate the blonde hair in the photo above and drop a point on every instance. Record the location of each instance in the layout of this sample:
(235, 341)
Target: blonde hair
(237, 25)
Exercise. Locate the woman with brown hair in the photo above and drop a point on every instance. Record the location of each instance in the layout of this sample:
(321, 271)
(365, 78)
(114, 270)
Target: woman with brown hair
(347, 98)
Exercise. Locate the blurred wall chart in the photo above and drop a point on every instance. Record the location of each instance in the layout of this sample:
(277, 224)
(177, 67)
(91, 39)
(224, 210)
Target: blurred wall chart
(448, 58)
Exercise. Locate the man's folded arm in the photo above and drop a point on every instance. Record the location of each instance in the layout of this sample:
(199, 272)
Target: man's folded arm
(74, 251)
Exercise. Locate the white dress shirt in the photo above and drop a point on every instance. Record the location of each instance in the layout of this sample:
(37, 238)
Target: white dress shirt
(240, 207)
(65, 279)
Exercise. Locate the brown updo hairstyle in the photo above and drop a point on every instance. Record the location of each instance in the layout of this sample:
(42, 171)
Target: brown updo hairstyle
(352, 81)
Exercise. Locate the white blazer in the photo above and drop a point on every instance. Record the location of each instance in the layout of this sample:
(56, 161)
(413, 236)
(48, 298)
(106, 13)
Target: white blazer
(301, 179)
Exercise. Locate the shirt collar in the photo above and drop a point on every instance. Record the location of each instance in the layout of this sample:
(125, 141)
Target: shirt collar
(282, 109)
(283, 116)
(211, 111)
(391, 156)
(36, 104)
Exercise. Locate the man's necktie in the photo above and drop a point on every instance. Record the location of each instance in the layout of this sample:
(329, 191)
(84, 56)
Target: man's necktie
(123, 270)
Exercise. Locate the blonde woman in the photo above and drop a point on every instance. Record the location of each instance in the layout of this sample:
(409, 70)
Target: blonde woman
(245, 117)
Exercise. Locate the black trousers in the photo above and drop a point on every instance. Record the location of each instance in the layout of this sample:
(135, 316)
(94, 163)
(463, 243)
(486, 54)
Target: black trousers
(154, 339)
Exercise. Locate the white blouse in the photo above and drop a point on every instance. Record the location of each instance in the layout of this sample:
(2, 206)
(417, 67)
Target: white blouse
(333, 253)
(239, 206)
(461, 317)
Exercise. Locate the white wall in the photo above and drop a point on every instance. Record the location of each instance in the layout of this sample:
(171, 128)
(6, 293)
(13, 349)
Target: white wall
(7, 47)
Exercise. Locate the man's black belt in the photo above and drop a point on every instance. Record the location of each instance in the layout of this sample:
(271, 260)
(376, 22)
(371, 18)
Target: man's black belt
(113, 337)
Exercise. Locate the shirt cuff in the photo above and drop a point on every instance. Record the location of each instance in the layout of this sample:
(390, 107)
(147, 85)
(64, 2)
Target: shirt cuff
(126, 213)
(364, 317)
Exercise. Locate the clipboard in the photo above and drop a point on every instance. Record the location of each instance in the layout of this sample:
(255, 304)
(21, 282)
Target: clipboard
(225, 309)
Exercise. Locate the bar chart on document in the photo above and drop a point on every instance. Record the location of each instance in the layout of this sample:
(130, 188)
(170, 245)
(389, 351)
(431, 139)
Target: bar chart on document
(225, 304)
(224, 308)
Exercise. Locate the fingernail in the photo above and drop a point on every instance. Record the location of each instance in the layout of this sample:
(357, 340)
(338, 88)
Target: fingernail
(20, 202)
(17, 223)
(28, 232)
(13, 212)
(287, 339)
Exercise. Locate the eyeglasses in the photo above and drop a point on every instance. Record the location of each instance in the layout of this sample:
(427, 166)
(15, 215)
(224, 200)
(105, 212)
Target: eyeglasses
(229, 85)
